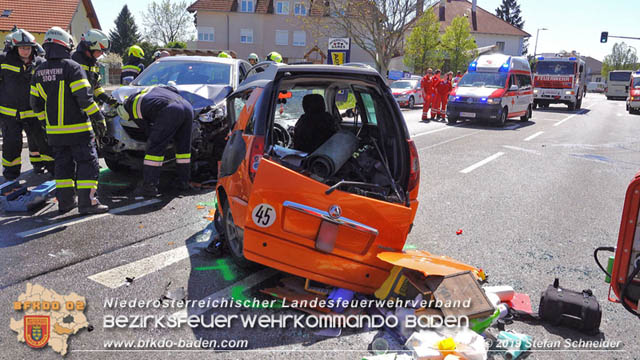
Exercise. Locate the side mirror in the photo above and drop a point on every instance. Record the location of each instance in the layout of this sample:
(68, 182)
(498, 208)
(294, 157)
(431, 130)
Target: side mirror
(513, 88)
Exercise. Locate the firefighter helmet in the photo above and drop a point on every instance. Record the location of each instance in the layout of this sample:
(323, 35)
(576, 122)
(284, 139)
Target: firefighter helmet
(22, 37)
(96, 40)
(56, 35)
(274, 56)
(223, 54)
(136, 51)
(253, 56)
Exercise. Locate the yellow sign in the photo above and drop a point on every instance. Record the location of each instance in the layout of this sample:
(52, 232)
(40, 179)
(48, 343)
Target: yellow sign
(337, 58)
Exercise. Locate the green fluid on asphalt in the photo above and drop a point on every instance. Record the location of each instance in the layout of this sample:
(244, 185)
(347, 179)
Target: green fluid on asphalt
(237, 293)
(222, 266)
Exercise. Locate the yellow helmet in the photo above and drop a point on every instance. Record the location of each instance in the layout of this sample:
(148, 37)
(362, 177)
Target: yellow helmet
(274, 56)
(136, 51)
(223, 54)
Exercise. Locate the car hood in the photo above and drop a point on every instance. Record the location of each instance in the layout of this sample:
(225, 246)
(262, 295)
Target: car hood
(475, 91)
(200, 96)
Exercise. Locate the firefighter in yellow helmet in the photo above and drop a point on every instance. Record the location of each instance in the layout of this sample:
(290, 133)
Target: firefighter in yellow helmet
(223, 54)
(134, 66)
(274, 56)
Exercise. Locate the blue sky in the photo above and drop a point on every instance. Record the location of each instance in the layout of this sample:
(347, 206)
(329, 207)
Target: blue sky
(572, 24)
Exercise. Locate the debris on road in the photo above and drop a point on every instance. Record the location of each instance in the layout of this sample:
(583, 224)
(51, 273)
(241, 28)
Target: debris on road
(459, 232)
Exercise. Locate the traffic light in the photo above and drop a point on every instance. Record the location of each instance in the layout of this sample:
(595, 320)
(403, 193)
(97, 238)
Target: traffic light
(604, 36)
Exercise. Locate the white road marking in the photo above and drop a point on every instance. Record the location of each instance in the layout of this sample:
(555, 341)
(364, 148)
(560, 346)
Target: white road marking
(521, 149)
(448, 141)
(70, 222)
(114, 278)
(534, 136)
(480, 163)
(431, 131)
(247, 282)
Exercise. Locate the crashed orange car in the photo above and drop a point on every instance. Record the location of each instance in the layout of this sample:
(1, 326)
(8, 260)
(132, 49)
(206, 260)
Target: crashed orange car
(319, 174)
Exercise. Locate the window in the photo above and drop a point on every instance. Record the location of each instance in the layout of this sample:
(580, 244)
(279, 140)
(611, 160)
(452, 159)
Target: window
(246, 36)
(500, 45)
(6, 13)
(282, 37)
(282, 7)
(524, 81)
(299, 38)
(300, 8)
(369, 107)
(237, 104)
(206, 34)
(246, 5)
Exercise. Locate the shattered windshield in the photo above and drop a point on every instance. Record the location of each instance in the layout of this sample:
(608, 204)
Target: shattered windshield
(186, 73)
(484, 79)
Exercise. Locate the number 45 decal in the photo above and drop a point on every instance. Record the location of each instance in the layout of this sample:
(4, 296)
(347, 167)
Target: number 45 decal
(263, 215)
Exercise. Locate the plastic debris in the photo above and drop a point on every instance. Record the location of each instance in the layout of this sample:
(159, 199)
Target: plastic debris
(504, 292)
(340, 295)
(514, 343)
(178, 294)
(459, 232)
(129, 280)
(329, 332)
(200, 207)
(468, 344)
(380, 346)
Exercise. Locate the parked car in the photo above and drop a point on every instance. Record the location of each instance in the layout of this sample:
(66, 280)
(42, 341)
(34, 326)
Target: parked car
(319, 174)
(633, 100)
(596, 87)
(205, 82)
(408, 93)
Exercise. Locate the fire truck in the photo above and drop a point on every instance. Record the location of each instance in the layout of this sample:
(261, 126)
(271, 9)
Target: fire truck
(560, 79)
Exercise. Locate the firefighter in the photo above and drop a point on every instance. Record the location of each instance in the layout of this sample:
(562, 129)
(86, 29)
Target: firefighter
(442, 95)
(61, 97)
(160, 54)
(16, 71)
(134, 66)
(92, 45)
(435, 80)
(425, 84)
(253, 59)
(274, 56)
(165, 116)
(223, 54)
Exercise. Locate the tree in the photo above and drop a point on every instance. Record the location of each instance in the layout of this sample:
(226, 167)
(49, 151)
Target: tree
(149, 49)
(125, 34)
(167, 22)
(622, 57)
(422, 49)
(177, 45)
(509, 11)
(458, 44)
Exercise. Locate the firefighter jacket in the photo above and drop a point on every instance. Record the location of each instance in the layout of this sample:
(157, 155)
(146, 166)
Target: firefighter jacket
(156, 99)
(91, 68)
(133, 67)
(60, 96)
(15, 81)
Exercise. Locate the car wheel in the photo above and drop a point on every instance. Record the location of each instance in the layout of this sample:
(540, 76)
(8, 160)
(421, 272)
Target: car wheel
(527, 115)
(572, 106)
(608, 97)
(115, 166)
(452, 120)
(535, 106)
(503, 117)
(579, 104)
(412, 102)
(234, 238)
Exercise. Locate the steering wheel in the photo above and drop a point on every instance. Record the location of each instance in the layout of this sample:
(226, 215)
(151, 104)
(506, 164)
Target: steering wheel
(281, 136)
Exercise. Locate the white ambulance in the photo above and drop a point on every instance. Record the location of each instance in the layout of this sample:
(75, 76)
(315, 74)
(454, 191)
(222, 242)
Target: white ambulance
(496, 87)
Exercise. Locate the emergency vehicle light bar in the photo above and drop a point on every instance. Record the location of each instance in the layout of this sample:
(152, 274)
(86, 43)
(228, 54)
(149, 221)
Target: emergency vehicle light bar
(473, 66)
(505, 66)
(540, 58)
(572, 58)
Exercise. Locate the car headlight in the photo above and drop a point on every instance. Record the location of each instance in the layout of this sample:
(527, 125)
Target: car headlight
(218, 111)
(535, 91)
(452, 98)
(569, 92)
(494, 101)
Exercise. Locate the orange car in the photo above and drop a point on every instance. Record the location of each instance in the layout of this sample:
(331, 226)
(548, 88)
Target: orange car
(319, 174)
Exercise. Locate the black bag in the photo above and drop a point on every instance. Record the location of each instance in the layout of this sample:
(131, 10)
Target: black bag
(577, 310)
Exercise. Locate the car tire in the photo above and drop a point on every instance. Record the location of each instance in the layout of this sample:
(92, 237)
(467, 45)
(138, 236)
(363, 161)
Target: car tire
(527, 115)
(503, 117)
(534, 106)
(572, 106)
(412, 103)
(115, 166)
(452, 120)
(233, 238)
(579, 104)
(608, 97)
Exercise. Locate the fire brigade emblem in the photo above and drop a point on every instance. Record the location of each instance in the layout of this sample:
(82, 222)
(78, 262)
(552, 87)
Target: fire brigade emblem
(36, 330)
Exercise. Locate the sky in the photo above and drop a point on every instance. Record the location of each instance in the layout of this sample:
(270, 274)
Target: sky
(572, 24)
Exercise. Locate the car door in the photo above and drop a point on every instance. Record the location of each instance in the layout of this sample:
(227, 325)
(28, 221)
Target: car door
(512, 96)
(418, 93)
(294, 223)
(525, 92)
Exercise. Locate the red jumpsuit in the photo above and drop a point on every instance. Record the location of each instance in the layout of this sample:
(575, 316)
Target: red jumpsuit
(442, 95)
(425, 84)
(435, 81)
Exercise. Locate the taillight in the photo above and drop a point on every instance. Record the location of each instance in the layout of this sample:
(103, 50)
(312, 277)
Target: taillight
(414, 163)
(255, 155)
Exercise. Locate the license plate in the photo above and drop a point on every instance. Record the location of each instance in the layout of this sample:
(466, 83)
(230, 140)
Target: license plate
(327, 235)
(466, 114)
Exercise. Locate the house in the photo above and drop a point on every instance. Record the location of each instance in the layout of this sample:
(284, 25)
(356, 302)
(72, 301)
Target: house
(262, 26)
(491, 33)
(38, 16)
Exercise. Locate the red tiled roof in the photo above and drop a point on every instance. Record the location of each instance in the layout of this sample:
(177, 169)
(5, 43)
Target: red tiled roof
(38, 16)
(487, 22)
(213, 5)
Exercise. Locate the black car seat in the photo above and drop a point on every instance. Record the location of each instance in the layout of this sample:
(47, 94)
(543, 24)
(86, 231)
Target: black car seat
(315, 126)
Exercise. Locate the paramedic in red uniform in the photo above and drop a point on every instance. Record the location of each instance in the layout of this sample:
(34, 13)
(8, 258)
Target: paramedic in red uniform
(425, 83)
(435, 80)
(442, 94)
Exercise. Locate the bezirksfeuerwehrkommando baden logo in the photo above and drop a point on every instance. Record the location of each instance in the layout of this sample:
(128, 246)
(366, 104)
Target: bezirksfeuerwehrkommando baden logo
(48, 317)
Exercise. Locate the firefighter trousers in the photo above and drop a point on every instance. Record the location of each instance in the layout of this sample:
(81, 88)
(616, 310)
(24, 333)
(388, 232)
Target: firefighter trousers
(12, 144)
(173, 123)
(76, 167)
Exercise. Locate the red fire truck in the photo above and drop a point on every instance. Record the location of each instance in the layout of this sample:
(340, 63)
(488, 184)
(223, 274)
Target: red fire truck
(560, 79)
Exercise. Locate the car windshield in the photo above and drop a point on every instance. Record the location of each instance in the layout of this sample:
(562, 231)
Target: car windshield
(636, 83)
(402, 85)
(186, 73)
(483, 79)
(555, 68)
(620, 76)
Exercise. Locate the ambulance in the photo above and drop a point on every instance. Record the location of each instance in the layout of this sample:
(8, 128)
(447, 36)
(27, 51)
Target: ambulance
(560, 79)
(496, 87)
(633, 100)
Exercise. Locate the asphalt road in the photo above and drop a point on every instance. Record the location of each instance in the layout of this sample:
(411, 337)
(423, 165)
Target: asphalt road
(534, 199)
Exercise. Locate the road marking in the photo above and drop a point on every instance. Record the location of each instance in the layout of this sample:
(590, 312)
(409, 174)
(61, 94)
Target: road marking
(521, 149)
(115, 277)
(70, 222)
(583, 111)
(480, 163)
(534, 136)
(432, 131)
(448, 141)
(250, 281)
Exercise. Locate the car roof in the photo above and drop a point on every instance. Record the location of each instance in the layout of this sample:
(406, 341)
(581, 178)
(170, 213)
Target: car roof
(268, 70)
(211, 59)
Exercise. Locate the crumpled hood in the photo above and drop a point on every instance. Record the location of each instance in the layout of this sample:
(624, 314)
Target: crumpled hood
(199, 96)
(475, 91)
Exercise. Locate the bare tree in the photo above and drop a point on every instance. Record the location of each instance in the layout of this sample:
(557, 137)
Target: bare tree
(167, 22)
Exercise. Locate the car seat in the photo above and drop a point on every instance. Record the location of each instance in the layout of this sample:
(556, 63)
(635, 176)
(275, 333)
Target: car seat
(315, 126)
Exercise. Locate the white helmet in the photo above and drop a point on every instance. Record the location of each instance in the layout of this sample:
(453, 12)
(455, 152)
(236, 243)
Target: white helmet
(56, 35)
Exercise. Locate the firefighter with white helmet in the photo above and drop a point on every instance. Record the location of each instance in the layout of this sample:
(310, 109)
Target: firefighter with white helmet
(93, 44)
(61, 95)
(253, 58)
(16, 69)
